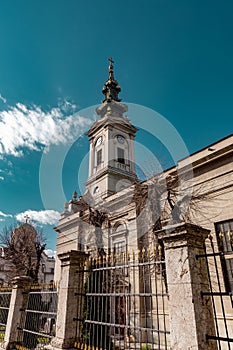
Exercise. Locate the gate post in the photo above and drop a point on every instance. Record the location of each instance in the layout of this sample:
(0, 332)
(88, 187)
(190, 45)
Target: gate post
(191, 318)
(69, 299)
(17, 304)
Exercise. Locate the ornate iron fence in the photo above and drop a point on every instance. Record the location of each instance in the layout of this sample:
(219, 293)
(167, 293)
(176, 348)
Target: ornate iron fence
(38, 319)
(5, 298)
(220, 296)
(125, 304)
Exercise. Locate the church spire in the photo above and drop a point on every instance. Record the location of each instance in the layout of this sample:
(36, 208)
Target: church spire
(111, 88)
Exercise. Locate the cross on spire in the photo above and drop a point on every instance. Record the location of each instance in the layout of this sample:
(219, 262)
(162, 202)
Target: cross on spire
(26, 217)
(111, 60)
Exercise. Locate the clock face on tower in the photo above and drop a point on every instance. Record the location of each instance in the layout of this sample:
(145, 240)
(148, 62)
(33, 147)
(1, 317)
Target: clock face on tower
(120, 139)
(99, 141)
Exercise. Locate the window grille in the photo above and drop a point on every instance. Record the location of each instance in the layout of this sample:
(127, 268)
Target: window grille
(119, 247)
(224, 231)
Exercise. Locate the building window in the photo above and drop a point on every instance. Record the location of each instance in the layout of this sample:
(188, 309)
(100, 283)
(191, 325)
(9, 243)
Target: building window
(120, 155)
(99, 157)
(119, 247)
(224, 231)
(51, 269)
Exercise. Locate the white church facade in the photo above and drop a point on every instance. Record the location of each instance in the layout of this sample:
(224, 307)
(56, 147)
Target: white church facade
(121, 215)
(113, 213)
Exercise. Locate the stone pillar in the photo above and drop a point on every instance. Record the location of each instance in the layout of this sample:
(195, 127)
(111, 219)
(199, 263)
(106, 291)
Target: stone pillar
(191, 318)
(17, 304)
(69, 299)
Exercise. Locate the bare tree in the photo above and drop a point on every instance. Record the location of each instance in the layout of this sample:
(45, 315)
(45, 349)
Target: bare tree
(23, 247)
(173, 197)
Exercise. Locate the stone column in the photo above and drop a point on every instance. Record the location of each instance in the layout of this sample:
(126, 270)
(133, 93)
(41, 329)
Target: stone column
(17, 304)
(191, 317)
(69, 299)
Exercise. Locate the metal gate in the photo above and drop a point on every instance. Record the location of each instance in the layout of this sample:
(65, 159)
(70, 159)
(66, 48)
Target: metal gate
(221, 297)
(38, 319)
(125, 305)
(5, 298)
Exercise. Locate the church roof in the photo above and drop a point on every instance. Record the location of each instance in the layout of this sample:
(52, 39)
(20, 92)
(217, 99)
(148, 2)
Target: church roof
(23, 229)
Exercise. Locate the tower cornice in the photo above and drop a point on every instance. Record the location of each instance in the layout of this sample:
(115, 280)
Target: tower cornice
(112, 122)
(112, 109)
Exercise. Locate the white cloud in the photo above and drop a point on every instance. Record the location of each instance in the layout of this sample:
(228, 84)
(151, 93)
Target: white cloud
(3, 99)
(51, 253)
(67, 106)
(5, 215)
(32, 128)
(4, 173)
(44, 217)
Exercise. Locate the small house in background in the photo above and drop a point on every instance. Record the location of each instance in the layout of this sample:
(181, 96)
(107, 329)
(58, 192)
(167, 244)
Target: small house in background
(46, 271)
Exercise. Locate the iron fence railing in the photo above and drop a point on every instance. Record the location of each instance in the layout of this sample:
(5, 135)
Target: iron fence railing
(5, 298)
(222, 301)
(125, 304)
(38, 319)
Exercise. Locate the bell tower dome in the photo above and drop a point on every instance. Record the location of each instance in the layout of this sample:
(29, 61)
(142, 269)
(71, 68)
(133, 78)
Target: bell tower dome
(111, 158)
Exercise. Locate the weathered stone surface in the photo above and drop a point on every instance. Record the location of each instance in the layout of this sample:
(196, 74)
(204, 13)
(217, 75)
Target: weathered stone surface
(71, 284)
(190, 318)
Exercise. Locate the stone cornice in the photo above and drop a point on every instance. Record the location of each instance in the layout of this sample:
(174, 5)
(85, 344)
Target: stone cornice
(111, 170)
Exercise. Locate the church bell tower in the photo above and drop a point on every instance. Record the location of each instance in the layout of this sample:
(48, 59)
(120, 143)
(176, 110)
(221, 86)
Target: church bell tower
(111, 157)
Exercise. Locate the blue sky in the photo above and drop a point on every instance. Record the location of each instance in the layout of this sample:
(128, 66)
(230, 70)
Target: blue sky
(174, 57)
